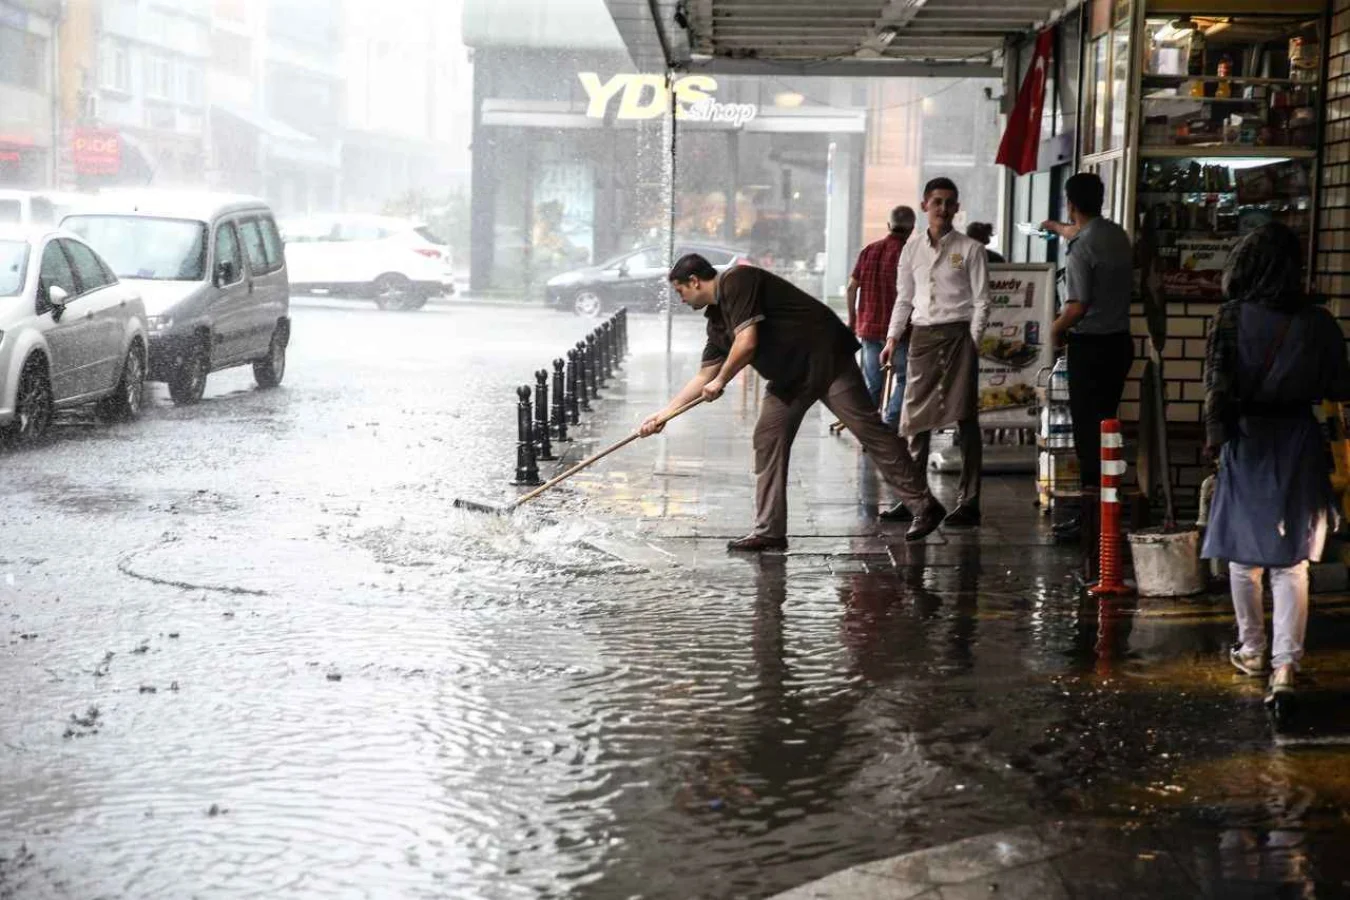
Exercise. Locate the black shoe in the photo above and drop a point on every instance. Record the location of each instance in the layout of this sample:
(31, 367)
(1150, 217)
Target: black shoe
(897, 513)
(754, 543)
(962, 517)
(926, 522)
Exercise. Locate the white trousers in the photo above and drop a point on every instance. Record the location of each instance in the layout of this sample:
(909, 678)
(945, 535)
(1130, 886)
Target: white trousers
(1290, 588)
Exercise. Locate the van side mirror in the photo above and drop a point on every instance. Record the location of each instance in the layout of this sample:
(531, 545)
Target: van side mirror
(225, 272)
(57, 296)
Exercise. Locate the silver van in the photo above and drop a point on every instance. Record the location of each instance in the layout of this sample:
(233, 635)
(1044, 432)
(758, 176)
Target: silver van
(211, 269)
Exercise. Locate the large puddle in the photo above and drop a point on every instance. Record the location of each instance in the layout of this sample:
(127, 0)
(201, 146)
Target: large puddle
(364, 693)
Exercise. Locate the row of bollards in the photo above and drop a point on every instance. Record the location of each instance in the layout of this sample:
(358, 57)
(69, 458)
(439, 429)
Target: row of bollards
(576, 382)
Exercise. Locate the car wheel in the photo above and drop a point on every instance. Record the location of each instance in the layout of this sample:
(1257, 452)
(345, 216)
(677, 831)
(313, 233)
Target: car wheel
(393, 291)
(188, 383)
(33, 406)
(269, 370)
(124, 403)
(588, 304)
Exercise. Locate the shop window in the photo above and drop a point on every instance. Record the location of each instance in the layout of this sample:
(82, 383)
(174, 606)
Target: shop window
(1099, 54)
(1120, 75)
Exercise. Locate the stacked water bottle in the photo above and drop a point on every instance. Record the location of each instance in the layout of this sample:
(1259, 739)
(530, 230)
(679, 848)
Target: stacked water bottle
(1057, 467)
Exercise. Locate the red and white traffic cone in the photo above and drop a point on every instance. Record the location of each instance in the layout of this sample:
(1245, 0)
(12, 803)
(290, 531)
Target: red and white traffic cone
(1111, 566)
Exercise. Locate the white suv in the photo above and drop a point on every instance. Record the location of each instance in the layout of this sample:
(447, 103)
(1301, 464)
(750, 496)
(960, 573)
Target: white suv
(70, 333)
(398, 263)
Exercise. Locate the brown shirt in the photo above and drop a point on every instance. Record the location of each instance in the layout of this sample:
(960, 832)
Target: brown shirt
(801, 342)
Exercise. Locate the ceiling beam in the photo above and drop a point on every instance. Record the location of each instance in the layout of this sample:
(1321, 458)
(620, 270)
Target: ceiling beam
(852, 68)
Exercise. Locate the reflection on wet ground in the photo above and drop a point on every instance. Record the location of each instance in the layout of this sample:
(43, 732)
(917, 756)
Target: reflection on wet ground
(251, 650)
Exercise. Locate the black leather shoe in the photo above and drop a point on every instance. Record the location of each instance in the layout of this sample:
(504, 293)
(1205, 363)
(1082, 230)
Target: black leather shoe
(754, 543)
(926, 522)
(897, 513)
(962, 517)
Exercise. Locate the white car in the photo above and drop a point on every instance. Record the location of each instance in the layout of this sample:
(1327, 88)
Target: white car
(398, 263)
(70, 333)
(38, 208)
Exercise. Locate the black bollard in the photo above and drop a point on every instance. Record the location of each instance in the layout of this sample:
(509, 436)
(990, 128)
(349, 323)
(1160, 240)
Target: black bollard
(593, 365)
(573, 405)
(543, 447)
(558, 421)
(607, 342)
(527, 472)
(584, 392)
(616, 340)
(623, 332)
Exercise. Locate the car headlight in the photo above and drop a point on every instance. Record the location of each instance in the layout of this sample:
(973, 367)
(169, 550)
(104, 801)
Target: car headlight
(158, 323)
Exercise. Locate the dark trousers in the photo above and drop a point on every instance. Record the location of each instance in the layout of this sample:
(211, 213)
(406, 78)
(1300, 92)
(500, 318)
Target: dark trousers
(1098, 367)
(848, 399)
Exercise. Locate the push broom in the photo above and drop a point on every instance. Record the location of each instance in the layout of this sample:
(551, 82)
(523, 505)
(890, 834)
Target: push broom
(475, 506)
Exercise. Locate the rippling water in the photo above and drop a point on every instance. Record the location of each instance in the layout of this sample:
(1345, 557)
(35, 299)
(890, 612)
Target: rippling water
(326, 684)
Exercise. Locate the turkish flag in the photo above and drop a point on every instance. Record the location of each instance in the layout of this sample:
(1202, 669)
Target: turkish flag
(1022, 140)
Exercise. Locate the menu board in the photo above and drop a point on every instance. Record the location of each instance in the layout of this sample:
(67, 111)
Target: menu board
(1016, 342)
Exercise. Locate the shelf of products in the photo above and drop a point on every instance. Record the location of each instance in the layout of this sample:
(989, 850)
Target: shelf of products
(1197, 208)
(1238, 83)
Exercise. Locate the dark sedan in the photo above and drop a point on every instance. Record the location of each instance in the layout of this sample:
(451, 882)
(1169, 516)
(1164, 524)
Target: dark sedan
(636, 279)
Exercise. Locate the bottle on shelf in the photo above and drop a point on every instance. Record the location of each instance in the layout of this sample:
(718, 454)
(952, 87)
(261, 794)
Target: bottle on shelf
(1224, 89)
(1195, 64)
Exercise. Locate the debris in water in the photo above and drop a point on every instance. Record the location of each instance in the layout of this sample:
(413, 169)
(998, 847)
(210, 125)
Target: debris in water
(334, 676)
(149, 689)
(143, 648)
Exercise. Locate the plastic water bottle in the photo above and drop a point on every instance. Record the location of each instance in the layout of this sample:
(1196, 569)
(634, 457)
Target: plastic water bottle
(1059, 381)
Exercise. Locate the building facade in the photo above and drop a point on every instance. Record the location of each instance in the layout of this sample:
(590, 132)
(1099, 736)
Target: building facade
(29, 124)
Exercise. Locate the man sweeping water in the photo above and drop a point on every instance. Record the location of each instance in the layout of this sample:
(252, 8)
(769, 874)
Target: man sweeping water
(805, 354)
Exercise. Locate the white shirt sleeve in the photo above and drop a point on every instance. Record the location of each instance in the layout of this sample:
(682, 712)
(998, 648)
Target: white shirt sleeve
(979, 291)
(904, 293)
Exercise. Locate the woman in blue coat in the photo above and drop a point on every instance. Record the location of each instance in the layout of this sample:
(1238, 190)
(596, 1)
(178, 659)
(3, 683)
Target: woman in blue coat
(1272, 355)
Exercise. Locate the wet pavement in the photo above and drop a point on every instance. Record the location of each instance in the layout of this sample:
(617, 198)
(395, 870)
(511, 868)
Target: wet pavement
(250, 649)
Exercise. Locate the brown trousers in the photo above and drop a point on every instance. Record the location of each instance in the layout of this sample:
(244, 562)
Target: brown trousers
(846, 397)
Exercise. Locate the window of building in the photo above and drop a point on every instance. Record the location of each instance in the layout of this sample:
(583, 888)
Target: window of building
(23, 59)
(232, 53)
(115, 66)
(190, 82)
(159, 80)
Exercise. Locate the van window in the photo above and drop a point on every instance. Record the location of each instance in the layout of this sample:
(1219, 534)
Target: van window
(227, 249)
(87, 268)
(42, 211)
(252, 237)
(11, 211)
(276, 257)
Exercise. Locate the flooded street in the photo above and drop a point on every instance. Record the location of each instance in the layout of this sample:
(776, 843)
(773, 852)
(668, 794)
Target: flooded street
(249, 649)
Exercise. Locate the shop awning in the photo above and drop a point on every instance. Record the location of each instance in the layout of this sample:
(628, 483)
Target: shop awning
(843, 37)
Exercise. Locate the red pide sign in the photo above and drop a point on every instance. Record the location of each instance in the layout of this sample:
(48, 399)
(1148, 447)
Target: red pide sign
(97, 152)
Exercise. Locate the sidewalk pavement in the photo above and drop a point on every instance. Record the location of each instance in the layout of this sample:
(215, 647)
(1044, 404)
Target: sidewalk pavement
(674, 500)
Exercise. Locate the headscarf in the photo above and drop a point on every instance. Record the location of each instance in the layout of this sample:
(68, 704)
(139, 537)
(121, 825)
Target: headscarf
(1266, 267)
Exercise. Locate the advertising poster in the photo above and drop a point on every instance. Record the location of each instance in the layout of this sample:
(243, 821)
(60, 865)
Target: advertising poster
(1016, 342)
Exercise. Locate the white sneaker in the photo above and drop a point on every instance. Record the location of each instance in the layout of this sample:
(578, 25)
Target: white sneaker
(1247, 663)
(1281, 682)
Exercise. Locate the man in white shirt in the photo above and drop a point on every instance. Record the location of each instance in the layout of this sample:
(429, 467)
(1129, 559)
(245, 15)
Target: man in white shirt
(942, 286)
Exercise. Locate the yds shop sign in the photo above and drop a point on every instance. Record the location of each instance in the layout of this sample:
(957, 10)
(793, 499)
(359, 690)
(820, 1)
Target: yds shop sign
(646, 97)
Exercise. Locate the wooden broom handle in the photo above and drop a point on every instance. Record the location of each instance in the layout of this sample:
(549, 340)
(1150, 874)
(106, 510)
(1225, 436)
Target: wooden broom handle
(591, 460)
